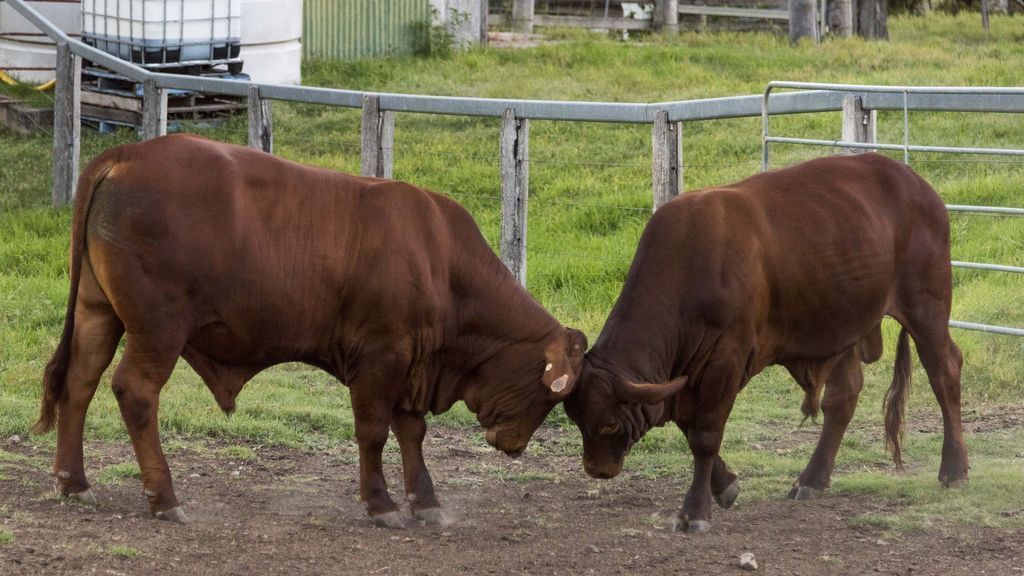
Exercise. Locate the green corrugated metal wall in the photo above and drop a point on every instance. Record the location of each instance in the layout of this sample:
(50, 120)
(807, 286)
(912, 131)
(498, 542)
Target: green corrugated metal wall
(351, 29)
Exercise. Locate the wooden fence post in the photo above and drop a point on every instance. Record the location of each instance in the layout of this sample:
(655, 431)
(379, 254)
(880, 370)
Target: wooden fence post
(515, 179)
(666, 16)
(484, 21)
(261, 122)
(522, 16)
(859, 125)
(803, 21)
(154, 110)
(840, 17)
(377, 139)
(666, 171)
(67, 125)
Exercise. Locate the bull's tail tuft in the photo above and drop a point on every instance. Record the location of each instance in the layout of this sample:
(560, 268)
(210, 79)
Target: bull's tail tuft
(54, 379)
(895, 405)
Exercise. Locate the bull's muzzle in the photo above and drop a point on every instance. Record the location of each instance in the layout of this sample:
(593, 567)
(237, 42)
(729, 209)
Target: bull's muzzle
(507, 443)
(602, 470)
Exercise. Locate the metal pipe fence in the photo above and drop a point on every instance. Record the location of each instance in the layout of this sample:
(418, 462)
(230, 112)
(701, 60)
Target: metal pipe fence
(859, 105)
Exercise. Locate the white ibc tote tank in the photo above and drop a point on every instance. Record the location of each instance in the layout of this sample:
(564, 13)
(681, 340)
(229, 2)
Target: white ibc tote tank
(271, 31)
(164, 33)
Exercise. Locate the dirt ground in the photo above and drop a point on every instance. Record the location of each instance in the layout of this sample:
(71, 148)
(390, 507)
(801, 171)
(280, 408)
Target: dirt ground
(287, 511)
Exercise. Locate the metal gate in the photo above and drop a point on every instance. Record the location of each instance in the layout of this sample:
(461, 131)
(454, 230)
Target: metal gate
(902, 98)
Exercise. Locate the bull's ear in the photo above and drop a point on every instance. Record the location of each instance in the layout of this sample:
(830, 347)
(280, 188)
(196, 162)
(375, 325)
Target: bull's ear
(576, 348)
(650, 393)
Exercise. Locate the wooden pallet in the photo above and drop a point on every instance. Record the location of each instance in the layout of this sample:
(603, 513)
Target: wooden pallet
(110, 100)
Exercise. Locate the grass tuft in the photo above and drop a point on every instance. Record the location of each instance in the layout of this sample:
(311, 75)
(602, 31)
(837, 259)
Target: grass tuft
(124, 552)
(118, 473)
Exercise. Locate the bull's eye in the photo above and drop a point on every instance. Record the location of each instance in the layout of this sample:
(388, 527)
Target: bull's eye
(610, 428)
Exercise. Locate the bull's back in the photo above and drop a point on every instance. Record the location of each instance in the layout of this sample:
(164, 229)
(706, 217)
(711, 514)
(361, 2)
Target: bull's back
(267, 253)
(814, 252)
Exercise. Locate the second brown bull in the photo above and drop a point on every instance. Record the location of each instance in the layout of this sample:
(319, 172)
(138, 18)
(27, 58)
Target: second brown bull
(795, 267)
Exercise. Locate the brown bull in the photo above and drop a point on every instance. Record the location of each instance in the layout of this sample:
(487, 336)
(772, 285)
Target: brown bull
(794, 267)
(238, 261)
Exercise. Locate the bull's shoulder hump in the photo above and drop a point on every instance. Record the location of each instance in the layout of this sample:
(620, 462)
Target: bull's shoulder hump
(705, 207)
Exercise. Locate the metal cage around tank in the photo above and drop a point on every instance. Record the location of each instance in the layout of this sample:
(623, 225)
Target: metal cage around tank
(164, 33)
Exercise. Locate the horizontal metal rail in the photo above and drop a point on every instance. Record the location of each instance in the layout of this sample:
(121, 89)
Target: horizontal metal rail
(986, 209)
(727, 11)
(993, 267)
(986, 328)
(1009, 90)
(911, 147)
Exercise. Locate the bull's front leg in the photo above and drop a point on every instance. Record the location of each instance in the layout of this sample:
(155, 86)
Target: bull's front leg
(372, 423)
(713, 401)
(410, 429)
(725, 485)
(374, 395)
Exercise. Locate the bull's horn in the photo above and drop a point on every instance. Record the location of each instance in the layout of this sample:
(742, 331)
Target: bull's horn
(651, 393)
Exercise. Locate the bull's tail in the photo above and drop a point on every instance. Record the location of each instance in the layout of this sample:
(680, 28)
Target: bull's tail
(895, 405)
(55, 376)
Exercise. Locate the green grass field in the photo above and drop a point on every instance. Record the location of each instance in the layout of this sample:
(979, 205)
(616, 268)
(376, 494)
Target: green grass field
(589, 199)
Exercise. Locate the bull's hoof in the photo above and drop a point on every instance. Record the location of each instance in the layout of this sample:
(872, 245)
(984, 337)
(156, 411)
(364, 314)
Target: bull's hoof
(85, 497)
(956, 484)
(805, 493)
(391, 519)
(175, 514)
(691, 526)
(433, 517)
(727, 497)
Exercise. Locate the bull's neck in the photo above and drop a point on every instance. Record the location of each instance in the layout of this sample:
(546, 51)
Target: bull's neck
(644, 335)
(495, 315)
(495, 334)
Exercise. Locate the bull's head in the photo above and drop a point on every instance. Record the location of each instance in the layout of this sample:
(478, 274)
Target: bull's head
(522, 386)
(613, 413)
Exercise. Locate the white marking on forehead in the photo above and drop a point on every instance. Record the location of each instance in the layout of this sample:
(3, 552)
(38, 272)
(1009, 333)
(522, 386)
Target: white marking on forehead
(559, 384)
(549, 367)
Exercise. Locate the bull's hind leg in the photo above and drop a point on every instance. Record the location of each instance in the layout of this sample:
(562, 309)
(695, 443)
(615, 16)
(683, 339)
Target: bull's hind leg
(943, 361)
(144, 369)
(410, 429)
(840, 400)
(923, 307)
(94, 341)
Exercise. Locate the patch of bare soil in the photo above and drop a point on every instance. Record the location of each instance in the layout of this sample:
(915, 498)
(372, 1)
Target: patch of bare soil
(288, 511)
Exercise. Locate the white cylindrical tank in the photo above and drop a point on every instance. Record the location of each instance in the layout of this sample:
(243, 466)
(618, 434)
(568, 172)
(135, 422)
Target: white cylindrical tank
(25, 52)
(271, 33)
(271, 40)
